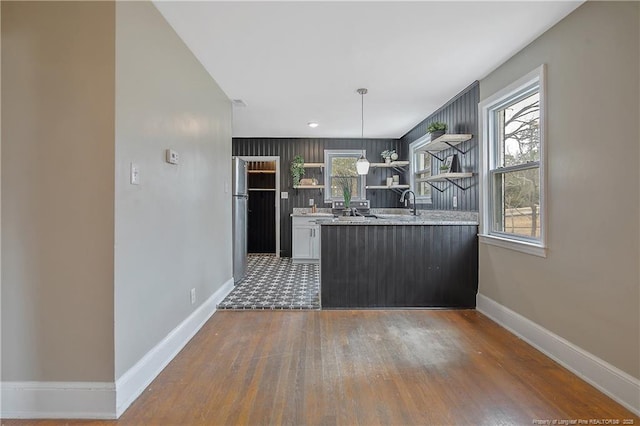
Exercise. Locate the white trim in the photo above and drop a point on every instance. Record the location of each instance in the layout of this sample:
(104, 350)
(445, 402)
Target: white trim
(537, 75)
(610, 380)
(103, 400)
(58, 400)
(512, 244)
(413, 148)
(362, 179)
(132, 383)
(277, 193)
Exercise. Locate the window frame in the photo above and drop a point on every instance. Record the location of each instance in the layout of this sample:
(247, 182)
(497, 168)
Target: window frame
(414, 148)
(520, 89)
(328, 154)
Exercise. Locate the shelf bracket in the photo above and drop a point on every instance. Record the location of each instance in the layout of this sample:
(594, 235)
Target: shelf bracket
(435, 187)
(458, 185)
(435, 156)
(457, 149)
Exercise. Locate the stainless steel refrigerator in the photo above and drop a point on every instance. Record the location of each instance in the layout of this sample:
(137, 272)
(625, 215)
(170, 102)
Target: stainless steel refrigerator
(240, 220)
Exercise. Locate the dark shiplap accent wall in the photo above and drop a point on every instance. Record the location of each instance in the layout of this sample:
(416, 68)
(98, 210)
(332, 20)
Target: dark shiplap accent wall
(385, 266)
(312, 150)
(461, 115)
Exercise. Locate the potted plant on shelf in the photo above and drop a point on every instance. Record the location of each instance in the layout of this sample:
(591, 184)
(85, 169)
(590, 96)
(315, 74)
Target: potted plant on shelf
(437, 129)
(297, 169)
(389, 155)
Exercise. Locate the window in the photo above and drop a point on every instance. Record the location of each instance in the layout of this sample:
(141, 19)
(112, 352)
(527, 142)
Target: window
(513, 166)
(420, 169)
(341, 167)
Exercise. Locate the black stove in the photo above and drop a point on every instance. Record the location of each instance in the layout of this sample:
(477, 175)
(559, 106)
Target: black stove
(363, 208)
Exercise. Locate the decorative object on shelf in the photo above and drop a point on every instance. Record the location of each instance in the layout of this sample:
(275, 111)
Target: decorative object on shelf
(394, 156)
(396, 179)
(437, 129)
(388, 154)
(297, 169)
(308, 181)
(389, 181)
(448, 165)
(362, 165)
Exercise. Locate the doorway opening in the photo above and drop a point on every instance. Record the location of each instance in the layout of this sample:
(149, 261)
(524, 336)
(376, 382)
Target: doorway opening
(263, 233)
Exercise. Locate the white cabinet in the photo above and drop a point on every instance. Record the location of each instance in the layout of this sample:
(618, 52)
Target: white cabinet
(306, 240)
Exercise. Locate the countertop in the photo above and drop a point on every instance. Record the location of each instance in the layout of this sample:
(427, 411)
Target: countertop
(394, 217)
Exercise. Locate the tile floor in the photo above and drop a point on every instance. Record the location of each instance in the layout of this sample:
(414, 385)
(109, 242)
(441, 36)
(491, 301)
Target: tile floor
(276, 283)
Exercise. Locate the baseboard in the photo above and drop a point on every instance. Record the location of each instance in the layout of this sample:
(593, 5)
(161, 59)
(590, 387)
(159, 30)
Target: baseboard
(132, 383)
(58, 400)
(610, 380)
(103, 400)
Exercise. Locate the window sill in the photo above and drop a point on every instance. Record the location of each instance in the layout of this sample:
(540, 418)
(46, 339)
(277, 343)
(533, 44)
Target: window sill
(521, 246)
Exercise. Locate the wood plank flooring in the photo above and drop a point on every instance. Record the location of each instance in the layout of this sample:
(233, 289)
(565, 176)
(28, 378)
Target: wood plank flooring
(403, 367)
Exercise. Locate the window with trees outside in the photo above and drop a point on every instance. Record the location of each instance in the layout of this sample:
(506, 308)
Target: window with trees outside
(513, 130)
(420, 169)
(341, 170)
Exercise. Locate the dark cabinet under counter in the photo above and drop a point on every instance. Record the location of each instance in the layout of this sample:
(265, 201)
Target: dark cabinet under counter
(398, 266)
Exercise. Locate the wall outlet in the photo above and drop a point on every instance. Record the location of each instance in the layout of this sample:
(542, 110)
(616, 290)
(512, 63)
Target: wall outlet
(311, 202)
(284, 195)
(171, 156)
(193, 296)
(455, 201)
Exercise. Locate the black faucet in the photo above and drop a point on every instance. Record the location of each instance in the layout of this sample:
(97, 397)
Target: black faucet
(415, 208)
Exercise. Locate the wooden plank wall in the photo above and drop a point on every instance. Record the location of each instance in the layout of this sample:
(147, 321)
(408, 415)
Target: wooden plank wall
(461, 115)
(384, 266)
(312, 150)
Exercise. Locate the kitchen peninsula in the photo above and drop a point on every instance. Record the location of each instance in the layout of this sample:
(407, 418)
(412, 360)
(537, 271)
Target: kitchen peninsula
(400, 261)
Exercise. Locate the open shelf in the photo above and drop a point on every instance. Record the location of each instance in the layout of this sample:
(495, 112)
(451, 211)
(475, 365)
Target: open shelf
(308, 187)
(446, 141)
(387, 187)
(313, 165)
(446, 177)
(262, 171)
(391, 164)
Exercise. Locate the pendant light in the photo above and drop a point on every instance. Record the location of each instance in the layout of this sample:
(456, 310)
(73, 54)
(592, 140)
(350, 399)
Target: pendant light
(362, 165)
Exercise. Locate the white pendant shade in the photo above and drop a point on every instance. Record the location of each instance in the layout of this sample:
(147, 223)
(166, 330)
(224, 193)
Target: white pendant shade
(362, 165)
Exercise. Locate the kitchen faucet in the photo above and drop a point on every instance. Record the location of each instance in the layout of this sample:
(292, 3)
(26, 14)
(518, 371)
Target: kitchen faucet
(415, 208)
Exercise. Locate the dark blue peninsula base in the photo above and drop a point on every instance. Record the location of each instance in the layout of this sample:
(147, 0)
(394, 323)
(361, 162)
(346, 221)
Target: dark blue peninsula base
(405, 265)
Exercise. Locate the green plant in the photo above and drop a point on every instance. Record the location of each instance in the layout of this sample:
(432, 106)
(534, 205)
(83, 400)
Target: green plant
(345, 183)
(437, 126)
(297, 169)
(387, 153)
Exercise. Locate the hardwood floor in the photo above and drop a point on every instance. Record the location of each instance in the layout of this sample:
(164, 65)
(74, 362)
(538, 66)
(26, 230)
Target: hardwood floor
(361, 368)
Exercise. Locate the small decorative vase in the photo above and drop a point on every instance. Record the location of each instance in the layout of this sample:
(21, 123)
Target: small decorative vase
(387, 160)
(346, 212)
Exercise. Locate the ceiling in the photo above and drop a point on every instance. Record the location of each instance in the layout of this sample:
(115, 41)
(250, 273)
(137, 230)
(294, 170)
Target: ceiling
(295, 62)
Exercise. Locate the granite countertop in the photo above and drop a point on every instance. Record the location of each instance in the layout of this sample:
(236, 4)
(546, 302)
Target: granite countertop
(306, 212)
(392, 216)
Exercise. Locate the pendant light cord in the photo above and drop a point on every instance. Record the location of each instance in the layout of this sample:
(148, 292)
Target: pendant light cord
(362, 117)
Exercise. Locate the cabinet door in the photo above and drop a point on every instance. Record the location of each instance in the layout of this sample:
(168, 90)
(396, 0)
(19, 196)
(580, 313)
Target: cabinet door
(315, 242)
(302, 241)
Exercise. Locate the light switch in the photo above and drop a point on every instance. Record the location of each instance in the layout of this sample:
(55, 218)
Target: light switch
(311, 201)
(134, 174)
(284, 195)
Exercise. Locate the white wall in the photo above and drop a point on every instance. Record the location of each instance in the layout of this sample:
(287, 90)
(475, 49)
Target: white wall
(173, 231)
(588, 288)
(57, 191)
